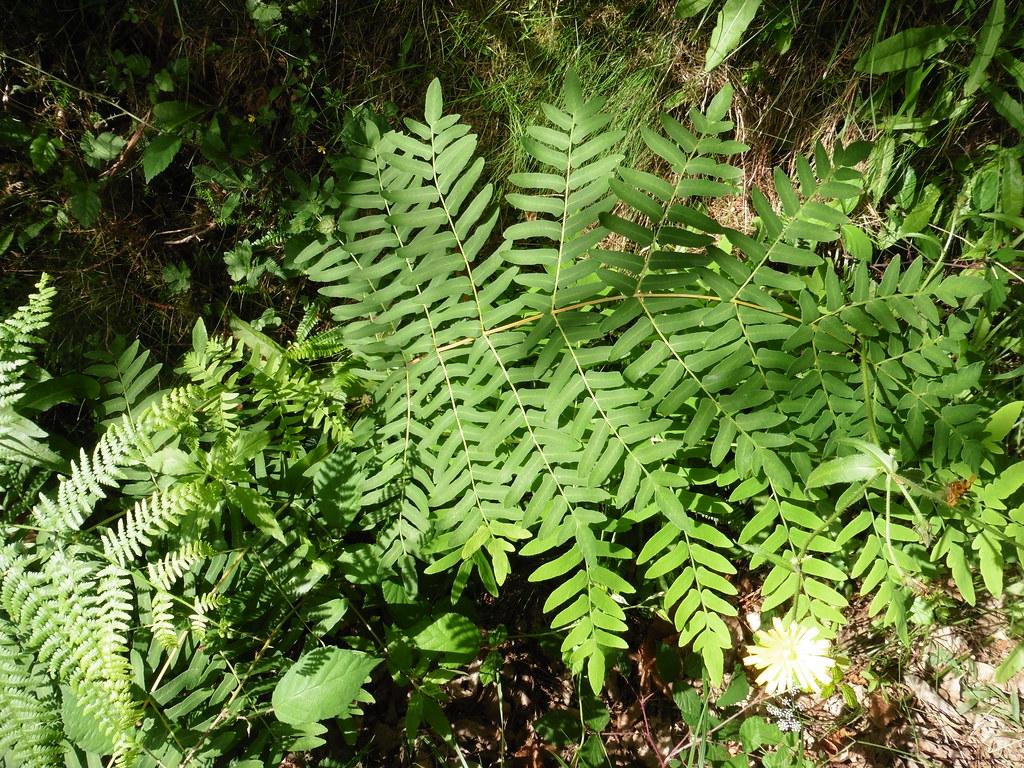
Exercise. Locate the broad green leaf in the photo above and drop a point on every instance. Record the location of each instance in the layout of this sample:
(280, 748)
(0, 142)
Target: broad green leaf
(1011, 665)
(687, 8)
(158, 154)
(451, 633)
(321, 685)
(102, 148)
(904, 50)
(1011, 201)
(847, 469)
(733, 20)
(1006, 105)
(756, 732)
(85, 202)
(596, 671)
(962, 575)
(43, 152)
(337, 485)
(737, 691)
(559, 566)
(857, 243)
(1003, 420)
(990, 558)
(174, 114)
(988, 42)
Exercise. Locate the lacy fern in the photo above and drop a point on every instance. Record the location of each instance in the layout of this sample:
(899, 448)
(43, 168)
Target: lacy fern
(157, 540)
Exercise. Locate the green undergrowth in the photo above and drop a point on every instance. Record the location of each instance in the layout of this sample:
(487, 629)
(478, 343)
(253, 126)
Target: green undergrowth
(292, 528)
(555, 389)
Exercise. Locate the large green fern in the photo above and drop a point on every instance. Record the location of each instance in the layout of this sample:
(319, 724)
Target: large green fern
(640, 399)
(591, 372)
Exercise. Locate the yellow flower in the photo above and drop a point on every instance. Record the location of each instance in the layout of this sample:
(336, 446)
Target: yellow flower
(251, 118)
(790, 656)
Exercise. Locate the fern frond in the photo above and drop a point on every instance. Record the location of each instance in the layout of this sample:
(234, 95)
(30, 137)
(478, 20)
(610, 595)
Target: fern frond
(78, 493)
(163, 626)
(125, 377)
(555, 389)
(31, 735)
(22, 442)
(202, 606)
(172, 566)
(18, 337)
(155, 516)
(74, 615)
(329, 343)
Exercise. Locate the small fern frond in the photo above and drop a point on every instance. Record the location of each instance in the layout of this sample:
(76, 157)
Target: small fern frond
(31, 736)
(172, 566)
(125, 377)
(163, 627)
(74, 615)
(154, 517)
(202, 606)
(78, 492)
(18, 337)
(22, 442)
(329, 343)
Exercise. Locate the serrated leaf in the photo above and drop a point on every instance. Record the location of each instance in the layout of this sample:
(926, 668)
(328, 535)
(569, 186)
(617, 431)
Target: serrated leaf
(158, 154)
(85, 202)
(43, 152)
(102, 148)
(321, 685)
(756, 732)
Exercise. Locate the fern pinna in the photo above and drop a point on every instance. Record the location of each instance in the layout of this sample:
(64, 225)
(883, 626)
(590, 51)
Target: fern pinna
(621, 363)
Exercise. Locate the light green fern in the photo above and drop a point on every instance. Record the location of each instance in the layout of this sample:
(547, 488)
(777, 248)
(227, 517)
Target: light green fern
(589, 373)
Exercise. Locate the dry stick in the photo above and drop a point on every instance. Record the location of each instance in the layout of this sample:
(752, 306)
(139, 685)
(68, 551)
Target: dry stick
(97, 96)
(139, 129)
(196, 235)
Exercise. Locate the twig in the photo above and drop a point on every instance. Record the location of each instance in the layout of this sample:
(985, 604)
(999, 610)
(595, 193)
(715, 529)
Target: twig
(139, 129)
(662, 762)
(93, 94)
(194, 236)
